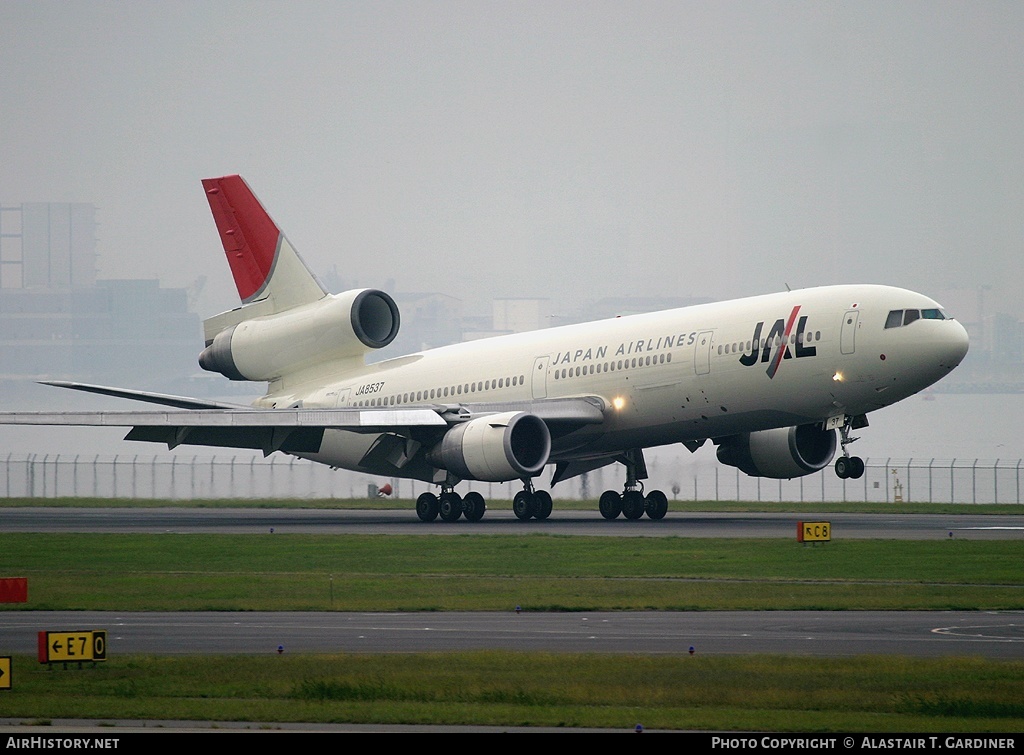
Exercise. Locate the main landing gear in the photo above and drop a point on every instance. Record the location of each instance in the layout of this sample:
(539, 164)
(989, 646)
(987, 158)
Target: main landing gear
(632, 503)
(531, 504)
(849, 467)
(450, 506)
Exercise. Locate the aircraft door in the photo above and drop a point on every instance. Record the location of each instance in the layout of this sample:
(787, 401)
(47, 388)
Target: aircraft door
(539, 382)
(702, 353)
(848, 334)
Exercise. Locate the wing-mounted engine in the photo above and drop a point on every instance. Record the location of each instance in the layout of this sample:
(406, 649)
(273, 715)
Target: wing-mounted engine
(781, 453)
(333, 328)
(494, 448)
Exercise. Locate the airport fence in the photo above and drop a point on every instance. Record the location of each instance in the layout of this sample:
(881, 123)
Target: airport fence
(198, 477)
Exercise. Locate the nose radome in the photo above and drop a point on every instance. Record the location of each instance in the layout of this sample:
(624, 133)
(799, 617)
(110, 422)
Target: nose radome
(955, 345)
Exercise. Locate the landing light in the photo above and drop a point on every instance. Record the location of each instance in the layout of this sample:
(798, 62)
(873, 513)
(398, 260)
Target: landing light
(838, 377)
(618, 402)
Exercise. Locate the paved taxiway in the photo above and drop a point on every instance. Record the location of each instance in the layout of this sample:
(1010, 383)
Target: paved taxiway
(998, 635)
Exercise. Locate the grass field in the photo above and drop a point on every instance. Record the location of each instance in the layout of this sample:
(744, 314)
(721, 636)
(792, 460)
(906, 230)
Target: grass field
(492, 572)
(725, 693)
(540, 573)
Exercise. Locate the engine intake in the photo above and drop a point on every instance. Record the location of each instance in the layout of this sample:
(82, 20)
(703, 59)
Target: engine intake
(780, 453)
(334, 327)
(495, 448)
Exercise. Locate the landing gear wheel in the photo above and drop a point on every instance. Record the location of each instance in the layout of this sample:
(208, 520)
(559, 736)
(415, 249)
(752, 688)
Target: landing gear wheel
(851, 467)
(632, 504)
(656, 505)
(427, 507)
(523, 505)
(610, 504)
(542, 504)
(473, 507)
(857, 470)
(843, 467)
(451, 506)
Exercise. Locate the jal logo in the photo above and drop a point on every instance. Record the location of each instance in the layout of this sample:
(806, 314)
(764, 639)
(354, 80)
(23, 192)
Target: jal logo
(776, 345)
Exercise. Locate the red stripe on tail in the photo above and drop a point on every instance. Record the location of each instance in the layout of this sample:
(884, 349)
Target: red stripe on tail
(249, 236)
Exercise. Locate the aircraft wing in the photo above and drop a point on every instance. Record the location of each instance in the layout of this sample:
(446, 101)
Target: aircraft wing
(291, 430)
(560, 414)
(288, 430)
(349, 419)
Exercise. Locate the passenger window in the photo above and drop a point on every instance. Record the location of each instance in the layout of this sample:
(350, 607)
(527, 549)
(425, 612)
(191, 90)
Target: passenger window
(895, 319)
(910, 315)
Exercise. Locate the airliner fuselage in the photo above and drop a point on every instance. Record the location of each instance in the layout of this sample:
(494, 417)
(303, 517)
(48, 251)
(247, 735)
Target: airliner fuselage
(702, 372)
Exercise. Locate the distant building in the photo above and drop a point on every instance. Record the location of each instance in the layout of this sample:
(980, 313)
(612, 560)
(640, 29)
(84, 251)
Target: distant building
(45, 245)
(610, 307)
(521, 315)
(58, 321)
(426, 322)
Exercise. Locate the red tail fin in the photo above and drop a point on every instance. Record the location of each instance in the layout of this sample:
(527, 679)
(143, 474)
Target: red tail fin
(266, 268)
(249, 236)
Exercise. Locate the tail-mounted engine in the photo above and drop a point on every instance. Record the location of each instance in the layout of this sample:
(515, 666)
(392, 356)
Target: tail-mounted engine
(781, 453)
(494, 448)
(333, 328)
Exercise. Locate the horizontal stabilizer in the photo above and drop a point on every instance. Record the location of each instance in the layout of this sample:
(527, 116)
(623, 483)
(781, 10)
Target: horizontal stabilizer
(164, 399)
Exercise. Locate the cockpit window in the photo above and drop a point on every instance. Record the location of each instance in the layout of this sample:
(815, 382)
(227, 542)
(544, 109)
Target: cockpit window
(899, 317)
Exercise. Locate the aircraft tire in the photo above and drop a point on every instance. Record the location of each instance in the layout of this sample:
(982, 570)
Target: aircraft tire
(656, 505)
(843, 467)
(632, 504)
(474, 507)
(857, 467)
(542, 504)
(522, 505)
(427, 507)
(610, 504)
(451, 507)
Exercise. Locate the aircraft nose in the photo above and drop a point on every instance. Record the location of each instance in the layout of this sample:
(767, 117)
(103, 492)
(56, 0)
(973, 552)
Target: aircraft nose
(955, 344)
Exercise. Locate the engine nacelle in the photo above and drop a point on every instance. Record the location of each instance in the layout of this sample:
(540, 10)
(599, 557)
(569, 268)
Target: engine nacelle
(334, 327)
(495, 448)
(781, 453)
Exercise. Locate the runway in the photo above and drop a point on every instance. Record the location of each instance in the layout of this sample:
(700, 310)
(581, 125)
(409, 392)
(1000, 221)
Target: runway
(499, 521)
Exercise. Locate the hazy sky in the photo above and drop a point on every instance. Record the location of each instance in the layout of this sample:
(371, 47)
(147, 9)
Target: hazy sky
(564, 149)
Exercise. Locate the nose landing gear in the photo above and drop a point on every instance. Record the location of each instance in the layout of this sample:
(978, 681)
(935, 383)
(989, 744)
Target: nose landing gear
(849, 467)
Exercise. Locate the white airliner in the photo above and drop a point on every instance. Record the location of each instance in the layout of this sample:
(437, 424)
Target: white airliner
(770, 380)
